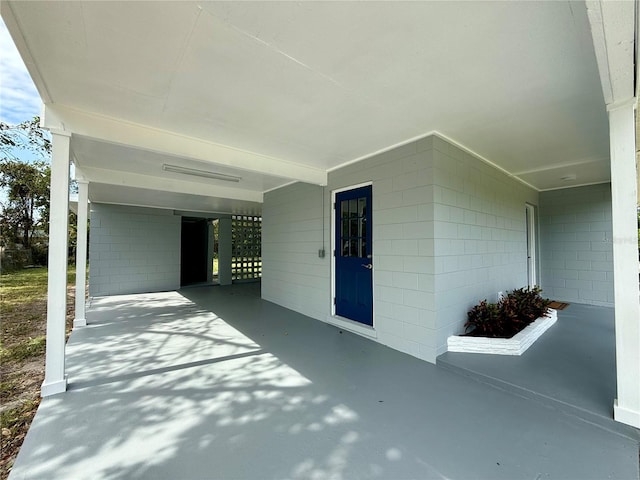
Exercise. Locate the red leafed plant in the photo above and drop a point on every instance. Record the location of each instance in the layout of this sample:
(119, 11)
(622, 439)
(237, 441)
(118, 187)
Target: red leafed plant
(509, 316)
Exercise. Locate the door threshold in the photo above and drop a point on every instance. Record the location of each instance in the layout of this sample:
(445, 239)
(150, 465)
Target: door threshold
(199, 284)
(352, 326)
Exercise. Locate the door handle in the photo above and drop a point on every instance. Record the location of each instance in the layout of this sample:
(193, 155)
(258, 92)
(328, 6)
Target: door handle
(367, 265)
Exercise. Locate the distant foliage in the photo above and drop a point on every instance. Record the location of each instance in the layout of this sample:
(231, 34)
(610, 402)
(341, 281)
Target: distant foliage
(26, 208)
(25, 136)
(14, 259)
(509, 316)
(25, 179)
(24, 205)
(24, 213)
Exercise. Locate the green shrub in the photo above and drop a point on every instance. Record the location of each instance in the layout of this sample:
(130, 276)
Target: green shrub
(12, 260)
(483, 320)
(40, 254)
(529, 304)
(509, 316)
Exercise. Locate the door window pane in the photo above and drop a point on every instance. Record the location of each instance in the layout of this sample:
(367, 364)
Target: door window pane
(354, 247)
(353, 227)
(353, 207)
(344, 209)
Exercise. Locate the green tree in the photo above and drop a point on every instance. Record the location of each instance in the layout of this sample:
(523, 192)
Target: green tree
(24, 205)
(24, 137)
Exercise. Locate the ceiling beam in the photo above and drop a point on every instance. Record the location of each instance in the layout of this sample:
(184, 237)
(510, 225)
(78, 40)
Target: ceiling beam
(613, 33)
(556, 166)
(148, 182)
(58, 117)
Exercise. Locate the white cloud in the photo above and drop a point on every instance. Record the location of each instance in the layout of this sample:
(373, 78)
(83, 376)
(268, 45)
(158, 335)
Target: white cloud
(19, 99)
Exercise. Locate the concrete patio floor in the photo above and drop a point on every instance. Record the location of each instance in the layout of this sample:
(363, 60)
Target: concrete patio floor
(572, 367)
(214, 383)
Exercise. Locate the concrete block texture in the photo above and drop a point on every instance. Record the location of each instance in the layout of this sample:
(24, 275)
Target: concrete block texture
(479, 235)
(576, 244)
(293, 232)
(133, 250)
(448, 231)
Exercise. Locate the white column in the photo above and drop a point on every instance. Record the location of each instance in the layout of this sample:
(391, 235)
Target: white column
(81, 253)
(55, 380)
(225, 251)
(625, 262)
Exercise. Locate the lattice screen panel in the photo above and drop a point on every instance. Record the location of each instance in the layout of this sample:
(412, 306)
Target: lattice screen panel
(246, 232)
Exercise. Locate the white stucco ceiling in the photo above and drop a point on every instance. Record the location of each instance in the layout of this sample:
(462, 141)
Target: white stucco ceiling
(299, 88)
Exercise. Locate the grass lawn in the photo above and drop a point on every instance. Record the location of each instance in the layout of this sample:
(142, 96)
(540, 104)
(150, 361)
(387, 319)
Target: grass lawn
(23, 307)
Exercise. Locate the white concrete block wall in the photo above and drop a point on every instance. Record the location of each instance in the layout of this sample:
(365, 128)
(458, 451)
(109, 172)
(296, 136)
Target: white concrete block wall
(293, 275)
(479, 236)
(403, 265)
(448, 231)
(133, 250)
(577, 251)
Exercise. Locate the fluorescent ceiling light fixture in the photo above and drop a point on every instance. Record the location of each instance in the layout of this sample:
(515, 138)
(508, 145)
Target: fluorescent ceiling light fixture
(200, 173)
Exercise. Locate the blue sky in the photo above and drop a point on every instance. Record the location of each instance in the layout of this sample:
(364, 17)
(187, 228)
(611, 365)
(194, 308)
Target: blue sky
(19, 99)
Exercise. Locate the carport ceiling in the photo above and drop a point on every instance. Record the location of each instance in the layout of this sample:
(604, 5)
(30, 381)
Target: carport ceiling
(320, 84)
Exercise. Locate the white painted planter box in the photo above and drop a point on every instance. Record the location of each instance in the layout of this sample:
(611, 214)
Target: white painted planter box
(515, 345)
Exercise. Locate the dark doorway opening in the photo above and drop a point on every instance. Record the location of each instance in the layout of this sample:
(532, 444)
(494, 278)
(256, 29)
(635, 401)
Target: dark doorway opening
(193, 267)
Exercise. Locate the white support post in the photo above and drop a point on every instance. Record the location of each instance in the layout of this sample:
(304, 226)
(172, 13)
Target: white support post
(81, 253)
(625, 262)
(55, 380)
(225, 251)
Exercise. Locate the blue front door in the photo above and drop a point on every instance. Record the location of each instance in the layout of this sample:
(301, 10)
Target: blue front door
(354, 258)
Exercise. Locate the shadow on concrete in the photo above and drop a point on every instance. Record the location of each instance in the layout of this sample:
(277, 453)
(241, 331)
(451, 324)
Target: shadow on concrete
(217, 383)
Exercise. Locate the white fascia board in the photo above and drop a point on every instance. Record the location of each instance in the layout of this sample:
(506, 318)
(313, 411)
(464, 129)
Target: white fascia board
(109, 129)
(148, 182)
(613, 33)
